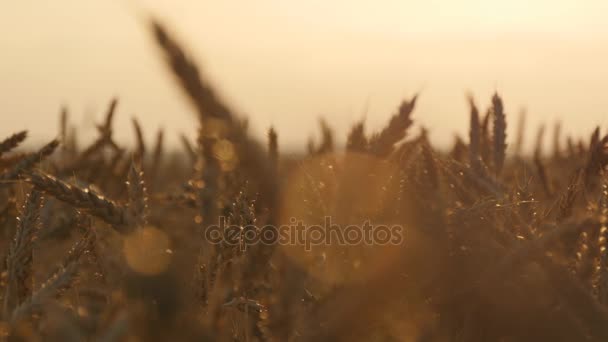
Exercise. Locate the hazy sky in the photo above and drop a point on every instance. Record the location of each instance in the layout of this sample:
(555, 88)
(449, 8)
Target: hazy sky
(285, 63)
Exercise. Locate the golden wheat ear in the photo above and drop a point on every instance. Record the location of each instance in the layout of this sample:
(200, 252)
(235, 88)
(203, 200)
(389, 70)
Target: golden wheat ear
(85, 199)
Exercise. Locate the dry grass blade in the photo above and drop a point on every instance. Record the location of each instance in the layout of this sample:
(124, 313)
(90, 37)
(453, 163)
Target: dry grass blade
(85, 199)
(500, 134)
(19, 259)
(382, 144)
(11, 142)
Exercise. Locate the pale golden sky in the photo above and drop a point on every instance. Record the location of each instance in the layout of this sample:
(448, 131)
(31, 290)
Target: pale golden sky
(285, 63)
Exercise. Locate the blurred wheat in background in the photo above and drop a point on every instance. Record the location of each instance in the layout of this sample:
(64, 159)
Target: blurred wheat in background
(104, 242)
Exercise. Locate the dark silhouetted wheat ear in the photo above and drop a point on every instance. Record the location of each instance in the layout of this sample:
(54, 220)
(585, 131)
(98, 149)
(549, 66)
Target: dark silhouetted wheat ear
(28, 162)
(11, 142)
(140, 150)
(357, 141)
(273, 146)
(500, 134)
(327, 138)
(188, 75)
(157, 158)
(382, 144)
(252, 157)
(475, 139)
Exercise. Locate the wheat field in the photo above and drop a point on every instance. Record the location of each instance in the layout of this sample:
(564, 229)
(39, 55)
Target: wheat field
(104, 242)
